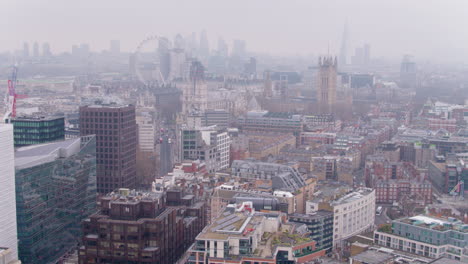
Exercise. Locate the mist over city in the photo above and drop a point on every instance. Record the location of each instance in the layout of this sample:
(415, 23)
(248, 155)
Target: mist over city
(241, 132)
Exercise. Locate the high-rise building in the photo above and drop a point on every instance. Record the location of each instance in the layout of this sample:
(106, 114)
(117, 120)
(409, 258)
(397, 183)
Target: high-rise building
(114, 46)
(208, 145)
(25, 50)
(164, 58)
(238, 48)
(142, 227)
(55, 191)
(222, 48)
(36, 49)
(46, 50)
(408, 75)
(326, 84)
(8, 234)
(204, 45)
(38, 130)
(116, 141)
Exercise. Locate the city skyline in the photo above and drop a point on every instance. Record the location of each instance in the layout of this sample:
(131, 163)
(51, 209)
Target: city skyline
(315, 27)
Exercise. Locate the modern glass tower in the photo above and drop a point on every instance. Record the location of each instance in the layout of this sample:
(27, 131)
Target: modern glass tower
(38, 130)
(55, 191)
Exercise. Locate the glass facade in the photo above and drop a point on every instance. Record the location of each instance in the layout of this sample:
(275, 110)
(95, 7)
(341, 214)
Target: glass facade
(30, 131)
(52, 200)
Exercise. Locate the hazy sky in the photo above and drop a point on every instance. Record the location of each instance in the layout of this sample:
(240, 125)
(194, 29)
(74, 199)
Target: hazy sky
(426, 28)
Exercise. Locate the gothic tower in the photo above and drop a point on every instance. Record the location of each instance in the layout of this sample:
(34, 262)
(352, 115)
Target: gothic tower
(326, 84)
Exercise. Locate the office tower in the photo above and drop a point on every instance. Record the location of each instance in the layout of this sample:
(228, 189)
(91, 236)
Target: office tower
(84, 49)
(30, 130)
(344, 46)
(55, 191)
(164, 58)
(408, 75)
(114, 46)
(36, 49)
(116, 142)
(25, 50)
(358, 58)
(46, 50)
(179, 42)
(204, 45)
(222, 47)
(238, 48)
(326, 84)
(142, 227)
(207, 144)
(8, 234)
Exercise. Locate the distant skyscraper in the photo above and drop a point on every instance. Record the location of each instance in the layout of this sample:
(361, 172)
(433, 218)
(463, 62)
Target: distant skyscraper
(222, 48)
(115, 46)
(84, 50)
(164, 57)
(8, 234)
(116, 141)
(238, 48)
(36, 49)
(25, 50)
(46, 50)
(326, 84)
(344, 46)
(408, 75)
(204, 45)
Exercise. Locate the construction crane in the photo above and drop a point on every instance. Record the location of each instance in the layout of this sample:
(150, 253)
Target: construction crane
(11, 96)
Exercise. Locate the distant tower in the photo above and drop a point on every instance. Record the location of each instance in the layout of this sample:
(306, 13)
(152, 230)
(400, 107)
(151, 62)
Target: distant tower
(408, 73)
(204, 45)
(267, 85)
(344, 46)
(36, 49)
(46, 50)
(195, 93)
(222, 47)
(25, 50)
(326, 83)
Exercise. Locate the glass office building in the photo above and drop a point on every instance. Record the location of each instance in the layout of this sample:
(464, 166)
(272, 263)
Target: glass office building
(55, 191)
(38, 130)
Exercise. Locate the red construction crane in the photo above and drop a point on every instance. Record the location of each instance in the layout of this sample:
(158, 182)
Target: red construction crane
(12, 96)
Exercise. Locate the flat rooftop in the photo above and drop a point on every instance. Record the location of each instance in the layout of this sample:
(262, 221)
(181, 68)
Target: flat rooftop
(37, 118)
(372, 257)
(438, 224)
(34, 155)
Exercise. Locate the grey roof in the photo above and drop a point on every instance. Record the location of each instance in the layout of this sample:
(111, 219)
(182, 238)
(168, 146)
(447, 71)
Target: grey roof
(372, 256)
(37, 154)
